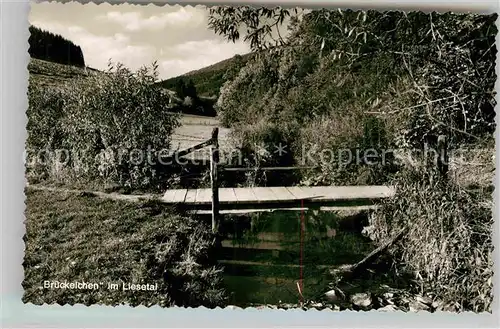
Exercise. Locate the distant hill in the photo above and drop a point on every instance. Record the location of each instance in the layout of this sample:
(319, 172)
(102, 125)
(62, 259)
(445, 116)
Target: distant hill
(203, 85)
(52, 47)
(210, 79)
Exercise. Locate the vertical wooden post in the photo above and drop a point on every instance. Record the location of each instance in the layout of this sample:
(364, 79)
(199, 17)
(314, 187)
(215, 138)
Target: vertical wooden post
(443, 158)
(214, 160)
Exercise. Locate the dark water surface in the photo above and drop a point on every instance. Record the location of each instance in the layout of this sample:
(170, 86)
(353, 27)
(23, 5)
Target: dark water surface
(262, 254)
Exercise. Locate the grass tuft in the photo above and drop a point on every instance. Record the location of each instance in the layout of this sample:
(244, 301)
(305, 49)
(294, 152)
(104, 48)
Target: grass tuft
(448, 247)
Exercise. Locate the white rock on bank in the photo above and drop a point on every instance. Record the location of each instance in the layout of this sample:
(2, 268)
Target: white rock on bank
(416, 306)
(424, 300)
(331, 295)
(361, 300)
(388, 295)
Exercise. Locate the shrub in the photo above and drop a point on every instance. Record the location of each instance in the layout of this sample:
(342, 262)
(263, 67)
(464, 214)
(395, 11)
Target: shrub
(423, 77)
(45, 132)
(180, 252)
(449, 245)
(257, 147)
(113, 125)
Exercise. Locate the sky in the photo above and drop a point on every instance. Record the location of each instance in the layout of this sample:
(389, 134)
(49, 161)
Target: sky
(177, 37)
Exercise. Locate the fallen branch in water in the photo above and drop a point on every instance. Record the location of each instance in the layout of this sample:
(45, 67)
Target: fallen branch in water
(354, 269)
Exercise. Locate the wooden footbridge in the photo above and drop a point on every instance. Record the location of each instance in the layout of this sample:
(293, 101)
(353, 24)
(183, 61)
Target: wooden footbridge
(278, 197)
(250, 199)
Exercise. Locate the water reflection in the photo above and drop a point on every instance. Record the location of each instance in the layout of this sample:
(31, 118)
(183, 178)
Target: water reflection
(266, 255)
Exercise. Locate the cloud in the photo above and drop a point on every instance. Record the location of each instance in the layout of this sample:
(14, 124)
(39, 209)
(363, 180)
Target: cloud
(98, 50)
(135, 21)
(193, 55)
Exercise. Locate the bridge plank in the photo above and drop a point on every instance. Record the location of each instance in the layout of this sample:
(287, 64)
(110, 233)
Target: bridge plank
(190, 196)
(227, 195)
(282, 193)
(244, 195)
(263, 194)
(179, 196)
(298, 192)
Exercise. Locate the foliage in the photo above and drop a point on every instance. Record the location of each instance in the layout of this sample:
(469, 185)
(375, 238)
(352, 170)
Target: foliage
(112, 126)
(237, 101)
(346, 81)
(185, 89)
(52, 47)
(259, 22)
(449, 244)
(78, 238)
(420, 74)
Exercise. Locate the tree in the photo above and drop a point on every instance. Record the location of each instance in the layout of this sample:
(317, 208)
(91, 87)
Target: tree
(180, 88)
(184, 89)
(190, 90)
(450, 57)
(259, 23)
(52, 47)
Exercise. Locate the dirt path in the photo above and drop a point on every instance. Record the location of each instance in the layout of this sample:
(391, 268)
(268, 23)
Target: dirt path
(104, 195)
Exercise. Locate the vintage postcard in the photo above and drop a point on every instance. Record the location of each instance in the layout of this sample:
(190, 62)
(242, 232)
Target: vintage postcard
(263, 157)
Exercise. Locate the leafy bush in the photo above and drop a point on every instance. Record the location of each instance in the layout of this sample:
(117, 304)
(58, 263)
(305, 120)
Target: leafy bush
(45, 132)
(114, 126)
(237, 101)
(418, 74)
(449, 244)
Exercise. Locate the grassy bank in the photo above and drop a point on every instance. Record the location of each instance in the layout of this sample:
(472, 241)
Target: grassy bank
(448, 247)
(80, 238)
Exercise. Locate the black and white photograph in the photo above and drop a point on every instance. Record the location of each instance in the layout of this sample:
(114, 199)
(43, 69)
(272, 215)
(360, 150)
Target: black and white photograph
(260, 157)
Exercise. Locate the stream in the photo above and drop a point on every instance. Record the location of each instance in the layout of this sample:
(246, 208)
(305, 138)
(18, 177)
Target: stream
(262, 254)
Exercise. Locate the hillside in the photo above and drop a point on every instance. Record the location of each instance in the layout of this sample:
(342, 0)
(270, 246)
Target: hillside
(54, 74)
(210, 79)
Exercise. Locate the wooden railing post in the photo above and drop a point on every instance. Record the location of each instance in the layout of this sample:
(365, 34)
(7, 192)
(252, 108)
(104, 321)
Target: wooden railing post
(443, 158)
(214, 160)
